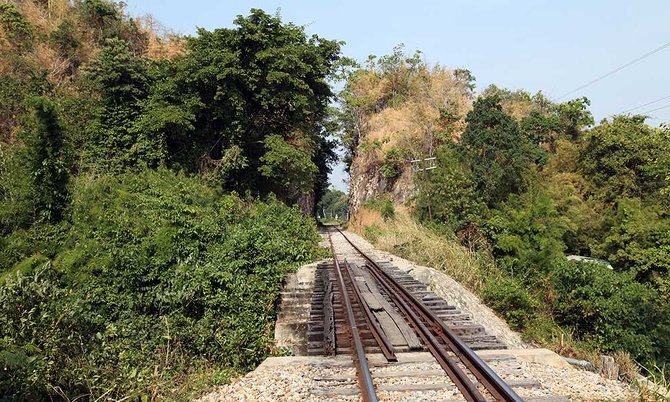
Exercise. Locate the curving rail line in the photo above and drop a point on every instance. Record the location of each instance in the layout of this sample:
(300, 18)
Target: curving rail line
(431, 329)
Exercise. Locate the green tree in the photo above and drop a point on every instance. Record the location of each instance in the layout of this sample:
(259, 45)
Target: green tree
(494, 148)
(122, 80)
(467, 79)
(333, 203)
(49, 171)
(539, 129)
(611, 310)
(15, 26)
(638, 239)
(238, 86)
(289, 167)
(527, 233)
(573, 116)
(624, 157)
(448, 195)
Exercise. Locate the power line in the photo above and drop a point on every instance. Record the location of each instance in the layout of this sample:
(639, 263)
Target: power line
(646, 104)
(653, 110)
(616, 70)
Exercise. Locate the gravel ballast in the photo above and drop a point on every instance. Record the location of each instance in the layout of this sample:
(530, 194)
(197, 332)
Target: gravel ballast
(311, 379)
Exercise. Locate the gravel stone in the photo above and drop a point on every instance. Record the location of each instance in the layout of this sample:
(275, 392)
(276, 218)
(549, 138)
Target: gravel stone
(302, 382)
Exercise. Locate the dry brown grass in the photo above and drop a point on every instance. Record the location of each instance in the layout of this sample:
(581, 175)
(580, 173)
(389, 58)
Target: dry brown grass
(39, 17)
(654, 387)
(47, 58)
(5, 46)
(410, 110)
(405, 237)
(518, 109)
(413, 123)
(163, 43)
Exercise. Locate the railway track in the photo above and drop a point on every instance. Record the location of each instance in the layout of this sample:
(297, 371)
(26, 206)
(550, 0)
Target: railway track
(362, 307)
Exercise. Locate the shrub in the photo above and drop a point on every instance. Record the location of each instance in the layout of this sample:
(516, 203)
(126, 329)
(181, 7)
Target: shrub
(611, 310)
(15, 26)
(159, 276)
(448, 195)
(527, 232)
(384, 206)
(509, 298)
(16, 209)
(372, 232)
(387, 210)
(392, 166)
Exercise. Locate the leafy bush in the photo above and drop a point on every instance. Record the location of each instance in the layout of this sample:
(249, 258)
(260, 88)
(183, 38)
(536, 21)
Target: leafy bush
(65, 40)
(15, 190)
(387, 210)
(158, 275)
(509, 298)
(611, 310)
(392, 166)
(625, 157)
(527, 233)
(372, 232)
(15, 26)
(289, 166)
(638, 240)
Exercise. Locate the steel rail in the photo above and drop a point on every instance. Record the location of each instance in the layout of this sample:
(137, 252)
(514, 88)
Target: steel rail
(463, 383)
(383, 342)
(368, 392)
(491, 381)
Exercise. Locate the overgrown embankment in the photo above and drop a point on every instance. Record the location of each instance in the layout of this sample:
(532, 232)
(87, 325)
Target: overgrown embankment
(154, 284)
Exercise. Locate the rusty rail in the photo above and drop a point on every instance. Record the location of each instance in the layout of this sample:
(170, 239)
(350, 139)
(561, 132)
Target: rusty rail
(430, 328)
(368, 393)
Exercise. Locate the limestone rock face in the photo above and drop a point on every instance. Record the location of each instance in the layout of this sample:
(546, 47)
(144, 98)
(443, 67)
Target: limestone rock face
(367, 182)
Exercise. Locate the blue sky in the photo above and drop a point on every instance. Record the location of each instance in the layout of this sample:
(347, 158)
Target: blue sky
(553, 46)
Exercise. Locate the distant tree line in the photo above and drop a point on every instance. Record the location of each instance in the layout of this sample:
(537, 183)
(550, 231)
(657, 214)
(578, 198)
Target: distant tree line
(333, 205)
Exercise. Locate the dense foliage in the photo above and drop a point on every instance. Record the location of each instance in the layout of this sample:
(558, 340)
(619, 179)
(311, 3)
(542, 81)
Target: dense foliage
(130, 268)
(246, 106)
(154, 274)
(542, 189)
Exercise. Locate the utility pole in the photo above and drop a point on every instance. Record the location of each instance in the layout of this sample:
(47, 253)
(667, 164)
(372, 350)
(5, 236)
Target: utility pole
(424, 165)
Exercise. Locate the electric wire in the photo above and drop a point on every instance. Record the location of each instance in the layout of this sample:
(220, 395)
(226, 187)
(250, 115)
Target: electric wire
(653, 110)
(646, 104)
(616, 70)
